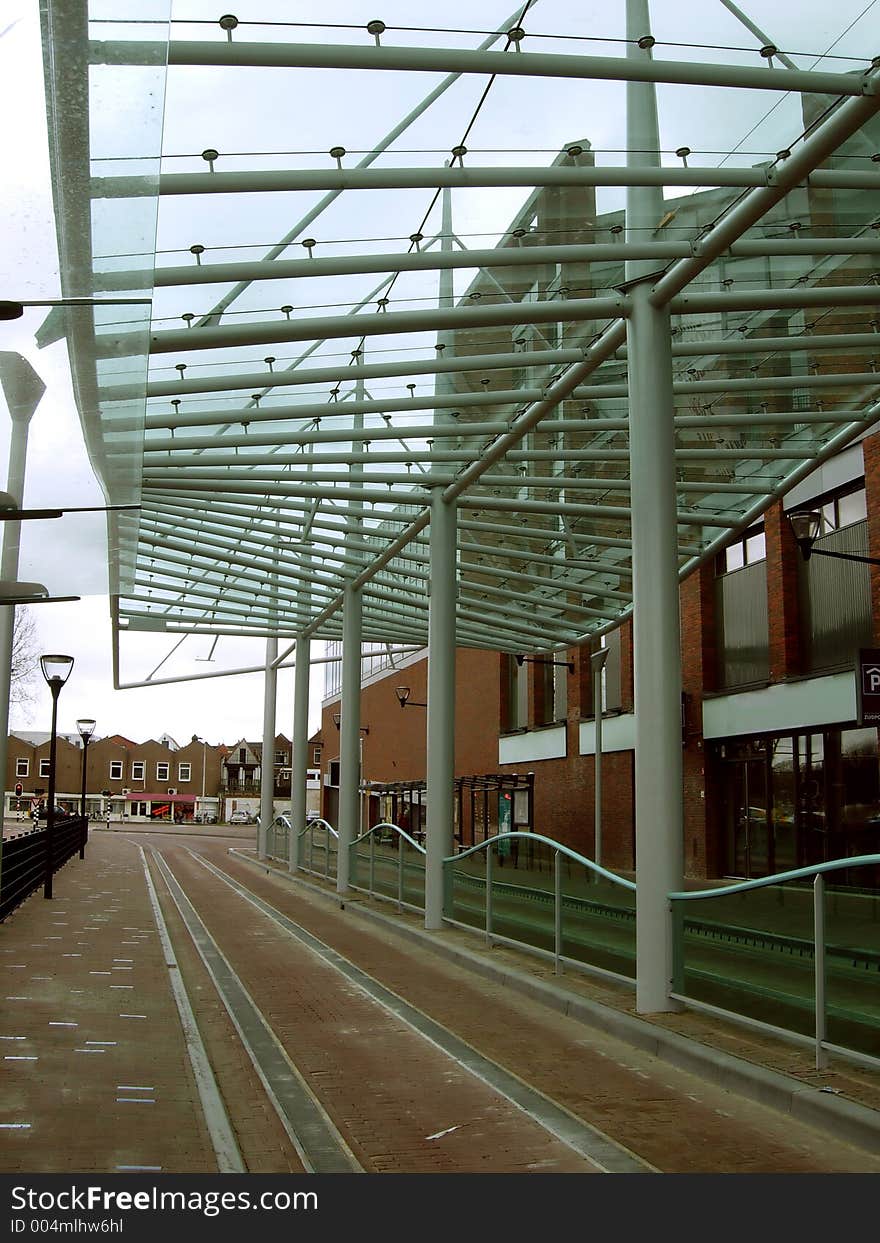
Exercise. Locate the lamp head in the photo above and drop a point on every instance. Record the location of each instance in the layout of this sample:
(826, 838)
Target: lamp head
(337, 719)
(403, 693)
(56, 670)
(805, 525)
(598, 658)
(86, 728)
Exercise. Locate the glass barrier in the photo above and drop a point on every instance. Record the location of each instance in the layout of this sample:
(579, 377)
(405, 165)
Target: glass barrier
(852, 965)
(526, 889)
(752, 952)
(796, 950)
(387, 863)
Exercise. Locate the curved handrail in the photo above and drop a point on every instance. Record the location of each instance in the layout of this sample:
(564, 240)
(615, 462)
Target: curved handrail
(762, 882)
(547, 841)
(316, 821)
(386, 824)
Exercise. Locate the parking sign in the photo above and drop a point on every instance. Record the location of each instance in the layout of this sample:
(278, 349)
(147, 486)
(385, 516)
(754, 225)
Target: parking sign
(868, 686)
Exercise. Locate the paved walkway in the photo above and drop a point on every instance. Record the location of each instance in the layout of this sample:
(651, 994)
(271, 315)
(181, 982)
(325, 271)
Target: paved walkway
(98, 1073)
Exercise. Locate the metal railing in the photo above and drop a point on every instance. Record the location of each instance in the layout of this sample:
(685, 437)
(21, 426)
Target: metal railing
(585, 919)
(24, 860)
(395, 866)
(800, 959)
(786, 952)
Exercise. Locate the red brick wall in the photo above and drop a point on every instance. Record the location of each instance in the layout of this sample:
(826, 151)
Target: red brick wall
(783, 624)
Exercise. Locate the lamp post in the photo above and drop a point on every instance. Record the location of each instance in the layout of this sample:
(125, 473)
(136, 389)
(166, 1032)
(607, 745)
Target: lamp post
(597, 663)
(806, 525)
(86, 728)
(56, 671)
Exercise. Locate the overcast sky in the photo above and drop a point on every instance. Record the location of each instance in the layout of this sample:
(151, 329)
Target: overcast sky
(70, 555)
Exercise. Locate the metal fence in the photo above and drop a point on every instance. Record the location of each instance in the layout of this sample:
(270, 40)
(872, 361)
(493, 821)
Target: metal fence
(24, 860)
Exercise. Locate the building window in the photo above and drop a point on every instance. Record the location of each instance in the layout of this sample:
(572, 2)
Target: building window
(22, 768)
(242, 755)
(44, 767)
(280, 758)
(316, 757)
(184, 772)
(162, 771)
(748, 549)
(138, 770)
(116, 770)
(844, 510)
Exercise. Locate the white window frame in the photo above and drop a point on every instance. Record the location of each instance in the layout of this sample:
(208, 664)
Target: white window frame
(138, 770)
(184, 772)
(160, 766)
(22, 768)
(116, 775)
(45, 765)
(316, 757)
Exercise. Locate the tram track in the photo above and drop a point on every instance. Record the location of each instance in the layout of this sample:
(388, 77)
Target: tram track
(394, 1053)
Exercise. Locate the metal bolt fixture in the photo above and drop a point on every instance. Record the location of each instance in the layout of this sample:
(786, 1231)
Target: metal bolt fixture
(209, 155)
(646, 42)
(198, 250)
(415, 238)
(768, 51)
(228, 22)
(285, 310)
(459, 152)
(310, 244)
(683, 153)
(515, 35)
(376, 28)
(337, 153)
(269, 361)
(188, 318)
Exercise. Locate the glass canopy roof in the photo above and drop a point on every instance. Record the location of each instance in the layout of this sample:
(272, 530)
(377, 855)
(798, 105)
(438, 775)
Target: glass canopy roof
(349, 261)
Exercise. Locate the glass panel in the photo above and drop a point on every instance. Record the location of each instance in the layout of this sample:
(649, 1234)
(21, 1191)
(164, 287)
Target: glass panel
(751, 953)
(852, 937)
(853, 507)
(756, 548)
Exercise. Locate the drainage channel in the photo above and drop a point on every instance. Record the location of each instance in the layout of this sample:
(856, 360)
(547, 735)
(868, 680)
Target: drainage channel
(319, 1144)
(588, 1141)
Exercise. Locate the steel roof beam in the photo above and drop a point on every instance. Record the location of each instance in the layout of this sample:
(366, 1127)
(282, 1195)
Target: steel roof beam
(500, 257)
(464, 178)
(562, 310)
(239, 54)
(327, 327)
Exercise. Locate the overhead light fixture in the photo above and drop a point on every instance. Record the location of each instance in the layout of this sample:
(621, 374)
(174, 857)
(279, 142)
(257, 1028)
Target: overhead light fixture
(12, 592)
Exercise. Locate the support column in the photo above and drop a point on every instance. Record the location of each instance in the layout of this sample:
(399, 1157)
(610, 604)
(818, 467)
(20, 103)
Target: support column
(299, 760)
(441, 704)
(267, 767)
(656, 648)
(349, 734)
(22, 389)
(656, 632)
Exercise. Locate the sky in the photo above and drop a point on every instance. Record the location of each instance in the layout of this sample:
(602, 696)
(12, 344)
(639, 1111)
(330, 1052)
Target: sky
(70, 555)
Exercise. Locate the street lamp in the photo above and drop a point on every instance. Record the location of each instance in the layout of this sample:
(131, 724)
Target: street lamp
(597, 663)
(806, 525)
(86, 728)
(56, 671)
(403, 698)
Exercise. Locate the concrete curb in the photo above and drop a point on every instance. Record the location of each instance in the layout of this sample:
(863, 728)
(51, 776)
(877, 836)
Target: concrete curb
(849, 1120)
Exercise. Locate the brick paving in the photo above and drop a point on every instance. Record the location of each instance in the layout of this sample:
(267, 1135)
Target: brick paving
(92, 957)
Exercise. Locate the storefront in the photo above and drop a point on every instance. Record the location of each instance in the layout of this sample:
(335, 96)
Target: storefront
(791, 800)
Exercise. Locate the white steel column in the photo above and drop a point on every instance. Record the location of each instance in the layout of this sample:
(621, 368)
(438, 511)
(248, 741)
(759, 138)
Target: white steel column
(267, 766)
(349, 734)
(441, 704)
(656, 637)
(23, 389)
(299, 759)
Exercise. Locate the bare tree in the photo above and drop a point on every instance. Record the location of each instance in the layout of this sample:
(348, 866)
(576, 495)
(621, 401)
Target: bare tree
(23, 667)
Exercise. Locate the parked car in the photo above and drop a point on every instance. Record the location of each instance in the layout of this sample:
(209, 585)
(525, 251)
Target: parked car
(241, 817)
